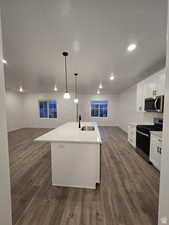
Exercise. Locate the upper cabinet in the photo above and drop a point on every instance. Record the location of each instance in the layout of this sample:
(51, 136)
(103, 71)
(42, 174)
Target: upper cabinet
(161, 83)
(150, 88)
(140, 97)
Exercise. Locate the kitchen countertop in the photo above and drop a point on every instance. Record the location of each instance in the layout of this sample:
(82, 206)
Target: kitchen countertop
(139, 123)
(157, 133)
(70, 132)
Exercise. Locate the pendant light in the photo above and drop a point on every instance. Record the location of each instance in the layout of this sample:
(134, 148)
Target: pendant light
(20, 89)
(66, 94)
(76, 100)
(100, 86)
(55, 88)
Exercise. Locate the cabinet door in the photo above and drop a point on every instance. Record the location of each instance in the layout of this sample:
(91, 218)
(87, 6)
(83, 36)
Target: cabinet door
(129, 133)
(132, 135)
(155, 152)
(155, 85)
(161, 83)
(151, 87)
(140, 97)
(159, 152)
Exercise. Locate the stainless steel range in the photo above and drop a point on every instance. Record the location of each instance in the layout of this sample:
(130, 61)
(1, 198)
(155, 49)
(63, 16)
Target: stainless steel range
(143, 137)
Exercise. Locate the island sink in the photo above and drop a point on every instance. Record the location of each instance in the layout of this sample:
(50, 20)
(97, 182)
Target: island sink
(88, 128)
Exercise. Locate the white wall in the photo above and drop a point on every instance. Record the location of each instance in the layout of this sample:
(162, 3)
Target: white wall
(127, 110)
(14, 105)
(66, 110)
(127, 107)
(85, 109)
(5, 198)
(23, 110)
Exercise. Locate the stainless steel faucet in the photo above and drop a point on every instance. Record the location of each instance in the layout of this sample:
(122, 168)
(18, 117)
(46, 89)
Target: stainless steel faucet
(80, 118)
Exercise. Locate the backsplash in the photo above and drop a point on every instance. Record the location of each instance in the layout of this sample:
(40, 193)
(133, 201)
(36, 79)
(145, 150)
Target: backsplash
(147, 117)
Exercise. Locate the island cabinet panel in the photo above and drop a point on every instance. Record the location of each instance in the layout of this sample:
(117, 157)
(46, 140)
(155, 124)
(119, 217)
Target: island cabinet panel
(75, 154)
(75, 164)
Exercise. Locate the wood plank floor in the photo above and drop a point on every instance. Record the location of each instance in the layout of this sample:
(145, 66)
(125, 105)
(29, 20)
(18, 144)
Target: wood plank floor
(128, 194)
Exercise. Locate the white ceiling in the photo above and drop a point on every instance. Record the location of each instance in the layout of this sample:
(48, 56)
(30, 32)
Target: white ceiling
(96, 34)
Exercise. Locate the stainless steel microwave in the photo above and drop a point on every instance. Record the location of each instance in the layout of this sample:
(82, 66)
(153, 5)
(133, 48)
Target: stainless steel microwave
(154, 104)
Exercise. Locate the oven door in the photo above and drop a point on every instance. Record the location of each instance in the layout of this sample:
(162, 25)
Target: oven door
(143, 142)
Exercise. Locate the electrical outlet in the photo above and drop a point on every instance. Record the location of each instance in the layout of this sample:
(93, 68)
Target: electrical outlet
(164, 220)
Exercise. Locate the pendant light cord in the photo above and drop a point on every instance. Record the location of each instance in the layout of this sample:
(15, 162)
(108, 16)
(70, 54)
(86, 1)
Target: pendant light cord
(76, 76)
(76, 97)
(75, 86)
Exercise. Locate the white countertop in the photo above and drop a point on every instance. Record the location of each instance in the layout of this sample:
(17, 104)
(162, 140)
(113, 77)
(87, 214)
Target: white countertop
(157, 133)
(70, 132)
(140, 123)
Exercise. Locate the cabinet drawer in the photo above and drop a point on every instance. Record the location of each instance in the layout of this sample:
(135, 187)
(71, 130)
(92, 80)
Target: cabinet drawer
(132, 135)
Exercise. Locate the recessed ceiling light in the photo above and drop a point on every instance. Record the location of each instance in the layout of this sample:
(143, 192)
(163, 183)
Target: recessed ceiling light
(131, 47)
(55, 88)
(100, 86)
(112, 76)
(4, 61)
(98, 92)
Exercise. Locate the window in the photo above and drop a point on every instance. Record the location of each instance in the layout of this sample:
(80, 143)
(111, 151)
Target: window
(99, 108)
(48, 109)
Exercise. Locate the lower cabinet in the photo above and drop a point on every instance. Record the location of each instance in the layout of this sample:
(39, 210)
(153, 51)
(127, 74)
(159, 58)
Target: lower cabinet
(132, 135)
(155, 151)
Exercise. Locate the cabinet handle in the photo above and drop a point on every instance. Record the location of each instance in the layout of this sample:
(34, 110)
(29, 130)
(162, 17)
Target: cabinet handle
(159, 150)
(154, 92)
(139, 132)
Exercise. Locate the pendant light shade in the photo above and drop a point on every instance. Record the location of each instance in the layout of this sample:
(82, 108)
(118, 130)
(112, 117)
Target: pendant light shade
(66, 94)
(20, 89)
(100, 86)
(76, 100)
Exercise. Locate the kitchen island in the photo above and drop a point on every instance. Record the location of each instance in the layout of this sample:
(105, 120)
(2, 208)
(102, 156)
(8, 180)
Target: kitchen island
(75, 154)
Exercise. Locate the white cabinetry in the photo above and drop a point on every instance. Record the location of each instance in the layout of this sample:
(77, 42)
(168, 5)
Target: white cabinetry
(132, 134)
(155, 151)
(140, 97)
(155, 85)
(150, 88)
(151, 84)
(161, 76)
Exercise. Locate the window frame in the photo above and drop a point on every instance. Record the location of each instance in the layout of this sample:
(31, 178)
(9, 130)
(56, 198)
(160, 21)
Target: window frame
(99, 103)
(48, 109)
